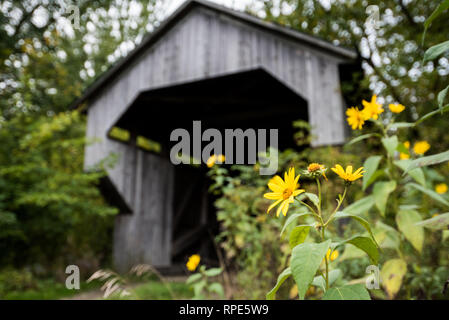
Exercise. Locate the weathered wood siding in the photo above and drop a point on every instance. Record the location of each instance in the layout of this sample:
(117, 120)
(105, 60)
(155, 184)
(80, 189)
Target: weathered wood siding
(203, 44)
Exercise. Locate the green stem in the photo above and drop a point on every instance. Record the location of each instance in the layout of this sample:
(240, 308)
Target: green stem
(319, 196)
(322, 231)
(338, 206)
(310, 208)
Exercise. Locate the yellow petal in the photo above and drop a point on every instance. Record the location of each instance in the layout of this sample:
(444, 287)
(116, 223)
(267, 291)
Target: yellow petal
(273, 195)
(278, 211)
(278, 180)
(285, 208)
(274, 204)
(296, 192)
(275, 187)
(295, 182)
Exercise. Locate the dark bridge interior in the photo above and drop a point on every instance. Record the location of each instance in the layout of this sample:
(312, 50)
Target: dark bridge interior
(252, 99)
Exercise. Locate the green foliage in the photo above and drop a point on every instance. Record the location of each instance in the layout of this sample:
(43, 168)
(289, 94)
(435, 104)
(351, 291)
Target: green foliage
(242, 215)
(305, 261)
(348, 292)
(281, 278)
(440, 222)
(48, 204)
(392, 273)
(391, 55)
(248, 235)
(51, 211)
(45, 67)
(200, 284)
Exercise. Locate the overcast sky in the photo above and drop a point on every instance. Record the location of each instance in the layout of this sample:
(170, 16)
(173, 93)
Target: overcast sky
(236, 4)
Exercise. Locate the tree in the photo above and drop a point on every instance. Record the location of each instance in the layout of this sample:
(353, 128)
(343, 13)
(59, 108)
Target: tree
(391, 55)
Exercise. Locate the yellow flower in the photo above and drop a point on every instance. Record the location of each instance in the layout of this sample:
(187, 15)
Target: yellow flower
(348, 175)
(331, 255)
(441, 188)
(435, 215)
(396, 108)
(215, 159)
(316, 168)
(421, 147)
(355, 118)
(372, 109)
(284, 191)
(402, 155)
(193, 262)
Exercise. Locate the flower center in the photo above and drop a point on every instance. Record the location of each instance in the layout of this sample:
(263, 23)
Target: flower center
(287, 193)
(313, 167)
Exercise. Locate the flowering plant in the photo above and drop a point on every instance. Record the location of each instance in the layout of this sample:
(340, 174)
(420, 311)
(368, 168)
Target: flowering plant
(199, 281)
(396, 190)
(311, 262)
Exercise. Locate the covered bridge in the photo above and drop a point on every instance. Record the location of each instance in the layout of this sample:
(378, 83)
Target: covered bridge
(209, 63)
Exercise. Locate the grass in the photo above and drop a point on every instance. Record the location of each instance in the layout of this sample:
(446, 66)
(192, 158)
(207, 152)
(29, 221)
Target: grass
(156, 290)
(20, 285)
(47, 290)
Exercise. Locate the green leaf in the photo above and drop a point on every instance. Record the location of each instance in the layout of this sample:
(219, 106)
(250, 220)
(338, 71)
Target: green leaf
(363, 222)
(305, 261)
(440, 9)
(352, 252)
(388, 237)
(320, 282)
(403, 149)
(390, 144)
(407, 221)
(314, 198)
(213, 272)
(298, 235)
(442, 95)
(435, 51)
(217, 288)
(292, 218)
(349, 292)
(428, 161)
(430, 193)
(198, 287)
(440, 222)
(360, 206)
(417, 174)
(391, 274)
(360, 138)
(281, 278)
(366, 244)
(193, 278)
(370, 167)
(381, 191)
